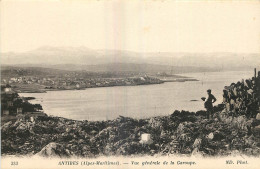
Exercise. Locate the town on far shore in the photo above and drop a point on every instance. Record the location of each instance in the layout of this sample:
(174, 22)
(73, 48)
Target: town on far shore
(37, 80)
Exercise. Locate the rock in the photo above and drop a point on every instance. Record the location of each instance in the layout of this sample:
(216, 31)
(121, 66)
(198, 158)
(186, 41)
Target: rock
(228, 107)
(68, 130)
(258, 116)
(146, 139)
(155, 122)
(103, 133)
(197, 153)
(210, 136)
(250, 91)
(93, 132)
(197, 143)
(180, 128)
(53, 150)
(22, 127)
(163, 134)
(6, 126)
(240, 122)
(32, 119)
(17, 123)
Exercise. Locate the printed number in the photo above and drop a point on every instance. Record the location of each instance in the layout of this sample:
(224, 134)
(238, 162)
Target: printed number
(14, 162)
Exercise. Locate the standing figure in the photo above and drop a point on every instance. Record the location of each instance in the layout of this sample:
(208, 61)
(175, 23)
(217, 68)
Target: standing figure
(209, 104)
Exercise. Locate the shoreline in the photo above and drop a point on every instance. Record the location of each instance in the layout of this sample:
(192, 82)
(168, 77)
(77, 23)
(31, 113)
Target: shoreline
(162, 81)
(188, 133)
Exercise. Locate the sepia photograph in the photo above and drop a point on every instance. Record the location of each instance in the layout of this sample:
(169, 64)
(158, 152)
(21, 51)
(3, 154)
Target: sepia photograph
(130, 84)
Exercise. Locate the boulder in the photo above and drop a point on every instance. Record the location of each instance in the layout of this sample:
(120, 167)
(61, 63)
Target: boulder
(53, 150)
(250, 91)
(258, 116)
(197, 143)
(210, 136)
(196, 153)
(146, 139)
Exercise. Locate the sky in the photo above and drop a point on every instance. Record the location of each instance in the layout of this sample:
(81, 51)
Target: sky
(142, 26)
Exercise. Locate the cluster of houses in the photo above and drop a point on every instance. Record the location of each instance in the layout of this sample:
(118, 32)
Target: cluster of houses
(27, 80)
(8, 101)
(13, 105)
(79, 83)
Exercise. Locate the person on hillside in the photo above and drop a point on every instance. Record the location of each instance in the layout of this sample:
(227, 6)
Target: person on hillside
(209, 104)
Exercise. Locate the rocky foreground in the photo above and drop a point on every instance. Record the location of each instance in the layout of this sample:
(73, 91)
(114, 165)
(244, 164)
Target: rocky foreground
(234, 129)
(180, 133)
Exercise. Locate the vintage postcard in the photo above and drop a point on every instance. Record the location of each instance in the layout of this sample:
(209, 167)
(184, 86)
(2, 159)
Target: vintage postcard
(130, 84)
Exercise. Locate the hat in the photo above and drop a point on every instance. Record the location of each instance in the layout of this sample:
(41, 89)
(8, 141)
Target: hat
(209, 90)
(203, 98)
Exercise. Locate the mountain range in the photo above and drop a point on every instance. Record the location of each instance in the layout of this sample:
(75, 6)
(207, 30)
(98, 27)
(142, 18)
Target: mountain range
(83, 58)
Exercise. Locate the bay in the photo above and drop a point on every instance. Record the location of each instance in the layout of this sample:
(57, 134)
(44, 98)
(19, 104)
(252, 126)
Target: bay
(142, 101)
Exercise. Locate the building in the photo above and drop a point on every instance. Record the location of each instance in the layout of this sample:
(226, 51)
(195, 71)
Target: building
(19, 110)
(6, 88)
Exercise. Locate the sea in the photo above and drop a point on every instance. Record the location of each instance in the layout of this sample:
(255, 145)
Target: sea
(143, 101)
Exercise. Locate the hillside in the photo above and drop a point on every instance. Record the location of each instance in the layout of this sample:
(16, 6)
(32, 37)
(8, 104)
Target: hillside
(83, 56)
(14, 71)
(132, 67)
(26, 69)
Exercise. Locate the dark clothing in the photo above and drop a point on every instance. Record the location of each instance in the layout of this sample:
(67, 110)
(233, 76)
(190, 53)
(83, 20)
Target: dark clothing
(209, 105)
(209, 102)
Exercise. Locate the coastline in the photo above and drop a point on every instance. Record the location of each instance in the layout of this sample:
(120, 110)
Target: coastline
(182, 132)
(84, 88)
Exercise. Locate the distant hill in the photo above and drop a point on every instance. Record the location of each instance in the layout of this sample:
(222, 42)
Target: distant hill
(132, 67)
(75, 58)
(14, 71)
(20, 70)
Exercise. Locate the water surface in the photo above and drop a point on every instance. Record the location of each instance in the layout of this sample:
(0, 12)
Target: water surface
(136, 101)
